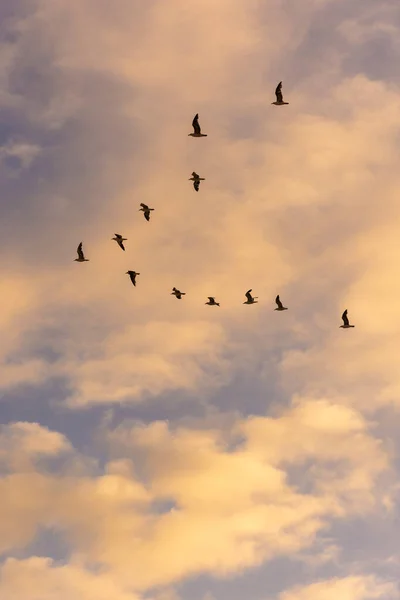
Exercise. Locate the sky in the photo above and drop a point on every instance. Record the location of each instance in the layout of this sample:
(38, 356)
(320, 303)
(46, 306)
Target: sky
(157, 449)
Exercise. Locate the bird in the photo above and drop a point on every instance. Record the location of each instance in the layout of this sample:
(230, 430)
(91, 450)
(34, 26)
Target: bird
(250, 298)
(278, 93)
(177, 293)
(196, 128)
(146, 211)
(196, 180)
(346, 323)
(81, 256)
(211, 301)
(280, 305)
(120, 240)
(132, 275)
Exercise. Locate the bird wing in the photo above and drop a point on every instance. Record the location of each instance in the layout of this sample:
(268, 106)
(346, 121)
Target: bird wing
(248, 295)
(144, 206)
(121, 244)
(196, 185)
(194, 174)
(211, 299)
(80, 252)
(278, 92)
(279, 303)
(147, 215)
(345, 318)
(195, 124)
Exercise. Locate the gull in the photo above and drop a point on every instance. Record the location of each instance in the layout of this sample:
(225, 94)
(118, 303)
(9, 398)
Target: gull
(146, 211)
(132, 275)
(196, 180)
(280, 305)
(177, 293)
(346, 324)
(81, 256)
(211, 301)
(250, 299)
(196, 128)
(278, 93)
(119, 239)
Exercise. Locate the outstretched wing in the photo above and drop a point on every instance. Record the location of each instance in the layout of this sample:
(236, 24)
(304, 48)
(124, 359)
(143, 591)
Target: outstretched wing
(144, 206)
(147, 215)
(211, 299)
(344, 317)
(248, 295)
(196, 184)
(121, 244)
(278, 92)
(194, 174)
(195, 124)
(279, 303)
(133, 278)
(80, 252)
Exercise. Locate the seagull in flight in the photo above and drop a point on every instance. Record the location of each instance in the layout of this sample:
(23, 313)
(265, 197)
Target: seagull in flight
(81, 256)
(278, 93)
(146, 211)
(132, 275)
(196, 128)
(279, 304)
(250, 298)
(211, 301)
(177, 293)
(196, 180)
(346, 323)
(120, 240)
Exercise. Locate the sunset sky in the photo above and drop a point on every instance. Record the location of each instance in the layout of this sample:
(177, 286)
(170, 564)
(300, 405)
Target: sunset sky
(156, 449)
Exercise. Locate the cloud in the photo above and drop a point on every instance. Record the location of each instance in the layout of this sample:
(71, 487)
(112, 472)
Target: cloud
(347, 588)
(215, 526)
(40, 578)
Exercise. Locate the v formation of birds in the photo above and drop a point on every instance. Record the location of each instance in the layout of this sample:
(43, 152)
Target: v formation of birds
(196, 185)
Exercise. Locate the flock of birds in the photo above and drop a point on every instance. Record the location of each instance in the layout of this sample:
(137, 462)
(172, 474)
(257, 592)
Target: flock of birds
(196, 184)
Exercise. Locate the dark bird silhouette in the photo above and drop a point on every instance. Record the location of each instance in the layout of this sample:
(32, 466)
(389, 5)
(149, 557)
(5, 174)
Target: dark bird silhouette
(279, 97)
(346, 323)
(178, 294)
(196, 180)
(280, 305)
(250, 298)
(132, 275)
(196, 128)
(81, 256)
(146, 211)
(120, 240)
(211, 301)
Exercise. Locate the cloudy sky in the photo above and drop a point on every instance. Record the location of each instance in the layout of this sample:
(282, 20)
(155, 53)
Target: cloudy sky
(156, 449)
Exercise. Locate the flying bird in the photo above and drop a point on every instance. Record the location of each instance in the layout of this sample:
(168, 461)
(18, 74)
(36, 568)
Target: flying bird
(120, 240)
(196, 180)
(250, 298)
(81, 256)
(346, 323)
(132, 275)
(177, 293)
(211, 301)
(278, 93)
(146, 211)
(196, 128)
(279, 304)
